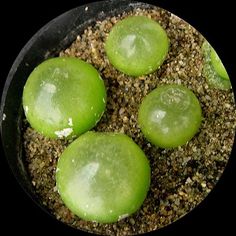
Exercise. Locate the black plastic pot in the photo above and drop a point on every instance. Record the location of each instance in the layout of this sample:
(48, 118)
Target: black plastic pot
(46, 43)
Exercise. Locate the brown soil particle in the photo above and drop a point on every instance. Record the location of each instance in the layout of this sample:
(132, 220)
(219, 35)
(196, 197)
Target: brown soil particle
(181, 177)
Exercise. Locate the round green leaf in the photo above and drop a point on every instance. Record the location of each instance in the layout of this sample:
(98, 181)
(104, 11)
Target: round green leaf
(218, 65)
(137, 45)
(170, 116)
(103, 177)
(64, 97)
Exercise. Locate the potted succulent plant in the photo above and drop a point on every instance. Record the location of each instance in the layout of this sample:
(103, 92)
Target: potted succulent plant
(155, 89)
